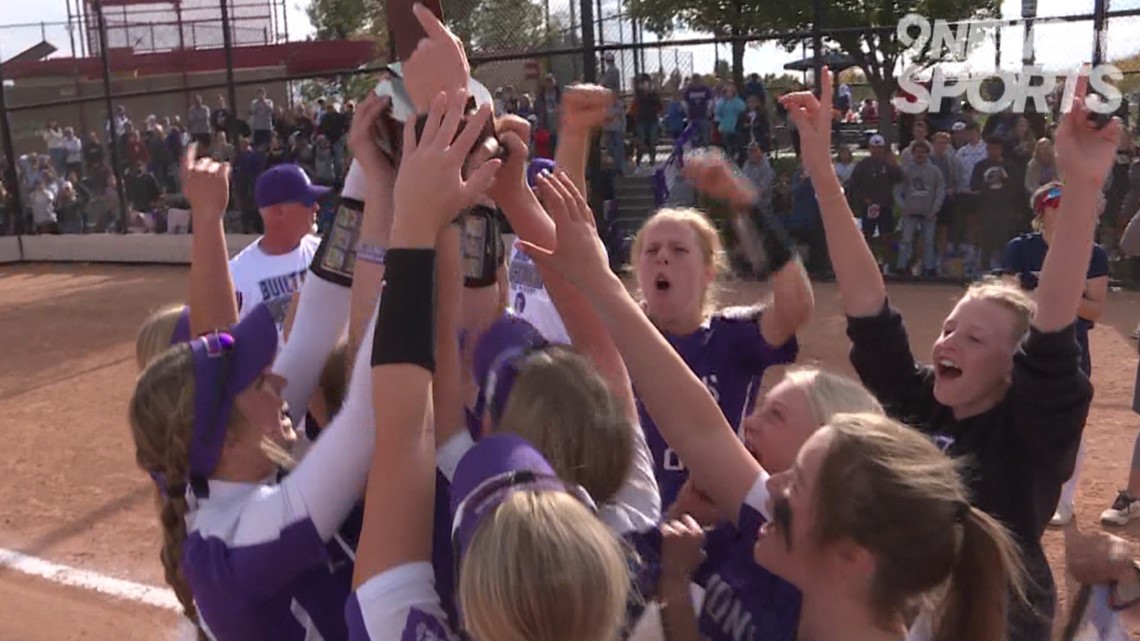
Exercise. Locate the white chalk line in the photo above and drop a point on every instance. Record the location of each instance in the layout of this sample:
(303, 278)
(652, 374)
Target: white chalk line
(162, 598)
(87, 580)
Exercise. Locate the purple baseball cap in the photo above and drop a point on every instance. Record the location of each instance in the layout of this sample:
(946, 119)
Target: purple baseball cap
(495, 360)
(488, 473)
(286, 183)
(225, 364)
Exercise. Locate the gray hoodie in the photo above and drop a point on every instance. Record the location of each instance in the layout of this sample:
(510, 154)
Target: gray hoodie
(921, 191)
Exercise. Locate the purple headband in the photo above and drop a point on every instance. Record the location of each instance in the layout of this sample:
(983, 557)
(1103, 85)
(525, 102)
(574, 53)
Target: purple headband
(225, 364)
(496, 359)
(494, 469)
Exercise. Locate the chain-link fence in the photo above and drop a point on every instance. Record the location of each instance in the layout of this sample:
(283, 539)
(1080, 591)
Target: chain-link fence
(122, 67)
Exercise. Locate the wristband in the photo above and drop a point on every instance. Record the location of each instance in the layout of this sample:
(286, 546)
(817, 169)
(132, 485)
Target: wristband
(777, 244)
(405, 326)
(370, 253)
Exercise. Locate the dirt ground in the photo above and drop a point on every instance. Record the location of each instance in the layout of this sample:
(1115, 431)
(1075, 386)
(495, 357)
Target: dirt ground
(72, 494)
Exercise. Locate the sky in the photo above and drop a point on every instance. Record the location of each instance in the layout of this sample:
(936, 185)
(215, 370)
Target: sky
(1058, 46)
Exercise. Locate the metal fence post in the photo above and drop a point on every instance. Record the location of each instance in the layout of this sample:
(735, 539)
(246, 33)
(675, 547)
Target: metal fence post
(228, 42)
(112, 138)
(1100, 10)
(15, 202)
(590, 75)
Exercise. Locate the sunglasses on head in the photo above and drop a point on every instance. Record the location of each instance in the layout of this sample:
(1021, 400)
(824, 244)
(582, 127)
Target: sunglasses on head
(492, 491)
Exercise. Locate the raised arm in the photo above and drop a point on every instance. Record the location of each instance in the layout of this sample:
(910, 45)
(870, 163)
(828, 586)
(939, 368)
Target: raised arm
(584, 109)
(1084, 155)
(679, 403)
(793, 300)
(206, 183)
(856, 271)
(429, 191)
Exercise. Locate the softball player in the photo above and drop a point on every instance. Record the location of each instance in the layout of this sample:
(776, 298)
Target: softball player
(678, 255)
(1005, 390)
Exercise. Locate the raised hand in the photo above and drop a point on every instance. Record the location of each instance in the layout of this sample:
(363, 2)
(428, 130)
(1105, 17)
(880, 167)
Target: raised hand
(430, 187)
(362, 140)
(578, 254)
(438, 63)
(711, 173)
(812, 117)
(1085, 153)
(206, 184)
(584, 107)
(682, 548)
(510, 186)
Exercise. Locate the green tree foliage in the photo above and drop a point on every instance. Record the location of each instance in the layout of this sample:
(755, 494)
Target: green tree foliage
(878, 51)
(722, 18)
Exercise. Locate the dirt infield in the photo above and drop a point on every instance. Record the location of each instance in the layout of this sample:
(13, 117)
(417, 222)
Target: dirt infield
(72, 494)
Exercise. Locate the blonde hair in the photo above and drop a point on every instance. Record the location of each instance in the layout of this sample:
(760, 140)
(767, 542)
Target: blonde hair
(161, 416)
(889, 489)
(1010, 297)
(708, 240)
(155, 333)
(829, 394)
(543, 568)
(562, 406)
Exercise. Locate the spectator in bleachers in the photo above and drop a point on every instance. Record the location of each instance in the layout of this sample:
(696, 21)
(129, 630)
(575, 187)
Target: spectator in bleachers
(143, 190)
(958, 134)
(613, 133)
(547, 104)
(334, 125)
(760, 173)
(949, 228)
(261, 119)
(998, 202)
(525, 106)
(73, 152)
(675, 117)
(754, 86)
(753, 124)
(69, 207)
(869, 112)
(647, 116)
(93, 153)
(919, 198)
(324, 163)
(160, 163)
(137, 151)
(728, 111)
(844, 164)
(53, 139)
(611, 75)
(198, 119)
(277, 155)
(920, 131)
(872, 192)
(844, 101)
(221, 119)
(248, 165)
(1042, 167)
(43, 208)
(698, 100)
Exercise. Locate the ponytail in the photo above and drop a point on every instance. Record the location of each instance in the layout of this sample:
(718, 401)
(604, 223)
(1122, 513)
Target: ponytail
(988, 569)
(173, 520)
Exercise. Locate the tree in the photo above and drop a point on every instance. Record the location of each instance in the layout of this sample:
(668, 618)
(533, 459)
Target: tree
(721, 18)
(506, 25)
(876, 51)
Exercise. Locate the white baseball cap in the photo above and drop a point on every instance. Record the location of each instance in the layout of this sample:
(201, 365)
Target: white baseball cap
(958, 126)
(877, 141)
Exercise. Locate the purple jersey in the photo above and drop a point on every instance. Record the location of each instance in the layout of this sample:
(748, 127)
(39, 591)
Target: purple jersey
(266, 561)
(729, 355)
(742, 601)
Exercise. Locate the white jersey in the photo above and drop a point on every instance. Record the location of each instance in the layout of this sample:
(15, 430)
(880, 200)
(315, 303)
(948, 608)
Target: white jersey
(528, 298)
(261, 278)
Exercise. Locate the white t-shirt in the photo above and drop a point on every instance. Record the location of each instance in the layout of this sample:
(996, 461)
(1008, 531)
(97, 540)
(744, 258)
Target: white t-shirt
(261, 278)
(528, 298)
(74, 147)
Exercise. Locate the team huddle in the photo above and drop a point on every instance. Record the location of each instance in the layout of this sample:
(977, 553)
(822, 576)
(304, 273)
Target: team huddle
(565, 461)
